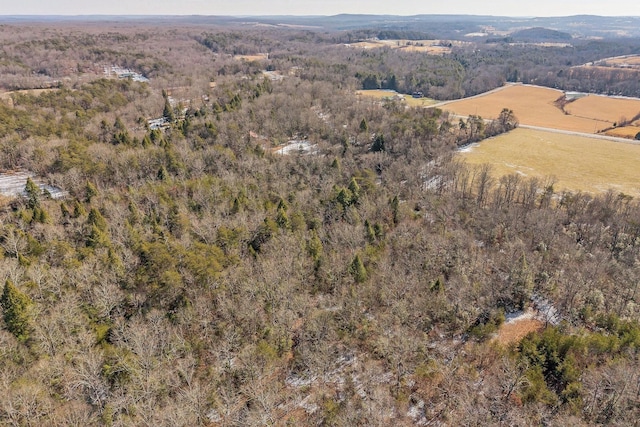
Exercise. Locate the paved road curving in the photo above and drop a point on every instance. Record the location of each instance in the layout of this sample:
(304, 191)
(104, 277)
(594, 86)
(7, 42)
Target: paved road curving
(586, 135)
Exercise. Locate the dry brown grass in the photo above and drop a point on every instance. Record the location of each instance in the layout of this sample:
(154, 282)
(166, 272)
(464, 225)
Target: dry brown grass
(367, 45)
(513, 332)
(630, 60)
(256, 57)
(624, 132)
(408, 99)
(578, 163)
(533, 105)
(427, 46)
(614, 110)
(432, 50)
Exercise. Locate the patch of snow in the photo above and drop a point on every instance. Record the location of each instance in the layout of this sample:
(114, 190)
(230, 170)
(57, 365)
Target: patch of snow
(274, 76)
(298, 146)
(547, 310)
(159, 123)
(516, 316)
(467, 148)
(214, 416)
(309, 407)
(299, 382)
(13, 184)
(417, 413)
(433, 183)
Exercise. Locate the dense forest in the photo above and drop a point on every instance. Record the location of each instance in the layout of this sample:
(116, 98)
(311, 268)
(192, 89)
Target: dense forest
(195, 275)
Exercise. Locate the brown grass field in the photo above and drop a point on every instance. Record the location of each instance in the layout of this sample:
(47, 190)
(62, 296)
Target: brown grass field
(532, 105)
(408, 99)
(577, 163)
(630, 60)
(432, 50)
(514, 331)
(257, 57)
(625, 132)
(428, 46)
(614, 110)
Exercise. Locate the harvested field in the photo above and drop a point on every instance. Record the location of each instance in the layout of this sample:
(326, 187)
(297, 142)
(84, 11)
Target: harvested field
(390, 94)
(432, 47)
(256, 57)
(632, 60)
(532, 105)
(577, 163)
(432, 50)
(614, 110)
(625, 132)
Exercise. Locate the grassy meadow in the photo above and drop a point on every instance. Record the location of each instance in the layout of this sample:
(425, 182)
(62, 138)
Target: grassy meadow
(249, 58)
(606, 108)
(431, 47)
(408, 99)
(628, 60)
(577, 163)
(625, 132)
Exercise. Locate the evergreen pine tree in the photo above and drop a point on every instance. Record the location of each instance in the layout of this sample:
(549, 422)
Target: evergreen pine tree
(167, 113)
(364, 127)
(378, 144)
(15, 307)
(357, 270)
(96, 219)
(355, 190)
(395, 209)
(282, 219)
(91, 191)
(33, 194)
(315, 248)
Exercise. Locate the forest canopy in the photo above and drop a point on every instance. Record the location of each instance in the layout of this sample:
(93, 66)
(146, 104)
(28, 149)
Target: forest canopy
(247, 242)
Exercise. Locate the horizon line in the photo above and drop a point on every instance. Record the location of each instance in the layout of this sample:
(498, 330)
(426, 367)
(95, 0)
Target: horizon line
(64, 15)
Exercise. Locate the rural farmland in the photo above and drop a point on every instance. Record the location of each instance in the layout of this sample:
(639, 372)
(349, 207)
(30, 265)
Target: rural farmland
(432, 47)
(577, 163)
(626, 61)
(622, 113)
(533, 105)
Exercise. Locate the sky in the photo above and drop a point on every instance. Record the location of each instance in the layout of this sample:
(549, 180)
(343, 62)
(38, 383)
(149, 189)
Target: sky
(320, 7)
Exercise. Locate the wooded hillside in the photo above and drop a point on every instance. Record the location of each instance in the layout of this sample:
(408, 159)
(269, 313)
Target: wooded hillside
(196, 276)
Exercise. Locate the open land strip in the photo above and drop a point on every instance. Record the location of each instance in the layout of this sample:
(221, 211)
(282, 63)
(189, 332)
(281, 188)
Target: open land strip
(532, 105)
(578, 163)
(384, 94)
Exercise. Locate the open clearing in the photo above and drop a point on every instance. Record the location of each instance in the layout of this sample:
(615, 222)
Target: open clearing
(625, 132)
(621, 61)
(577, 163)
(532, 105)
(256, 57)
(390, 94)
(6, 96)
(614, 110)
(432, 47)
(518, 327)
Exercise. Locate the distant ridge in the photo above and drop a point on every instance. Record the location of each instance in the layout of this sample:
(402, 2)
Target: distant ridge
(446, 26)
(539, 34)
